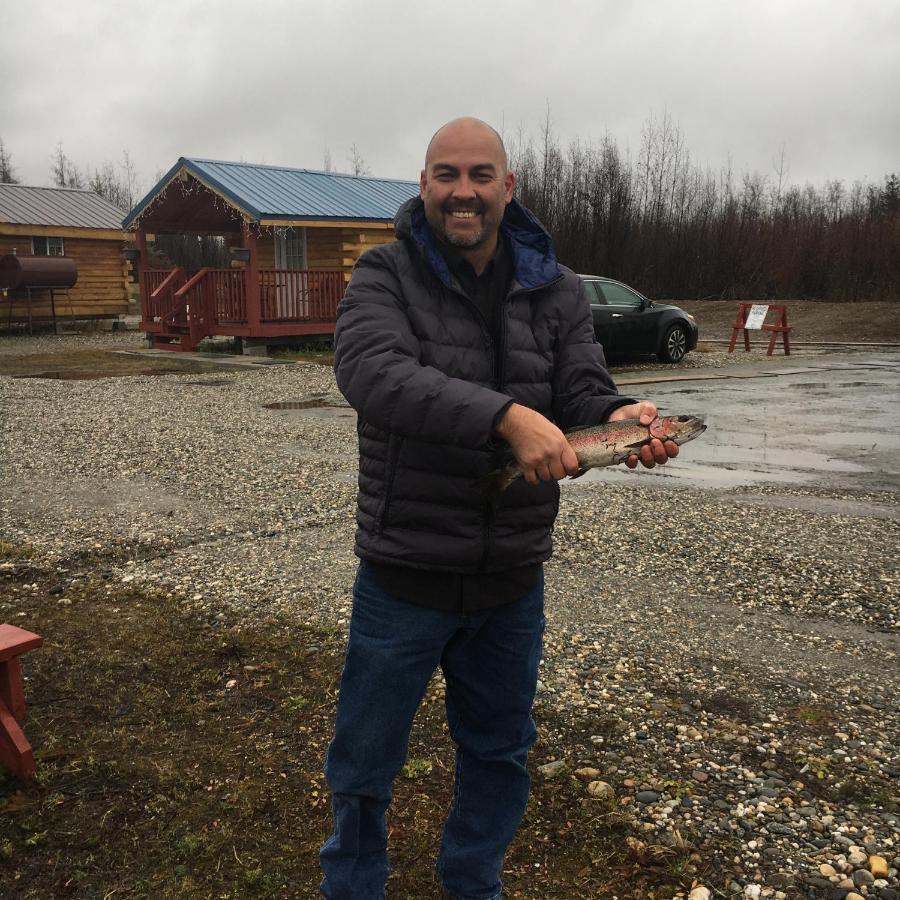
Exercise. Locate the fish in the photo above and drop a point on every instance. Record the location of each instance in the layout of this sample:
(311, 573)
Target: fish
(609, 444)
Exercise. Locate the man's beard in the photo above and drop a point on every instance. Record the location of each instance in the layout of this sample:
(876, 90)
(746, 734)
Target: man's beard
(467, 241)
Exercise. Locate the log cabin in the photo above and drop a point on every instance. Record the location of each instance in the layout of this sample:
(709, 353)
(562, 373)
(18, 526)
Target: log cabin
(293, 236)
(65, 222)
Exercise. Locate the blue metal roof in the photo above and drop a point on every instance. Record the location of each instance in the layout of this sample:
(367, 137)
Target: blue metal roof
(277, 192)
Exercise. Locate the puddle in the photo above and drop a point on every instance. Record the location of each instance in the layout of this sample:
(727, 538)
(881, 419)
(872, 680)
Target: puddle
(63, 375)
(698, 476)
(313, 403)
(827, 505)
(84, 375)
(321, 408)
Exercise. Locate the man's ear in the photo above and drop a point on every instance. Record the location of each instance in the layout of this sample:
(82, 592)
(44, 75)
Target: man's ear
(423, 181)
(509, 182)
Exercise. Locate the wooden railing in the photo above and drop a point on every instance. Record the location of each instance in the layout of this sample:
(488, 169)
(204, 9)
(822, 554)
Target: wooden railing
(195, 298)
(299, 295)
(215, 297)
(158, 287)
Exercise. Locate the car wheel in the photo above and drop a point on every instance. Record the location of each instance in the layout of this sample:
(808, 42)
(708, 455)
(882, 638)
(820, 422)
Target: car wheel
(674, 345)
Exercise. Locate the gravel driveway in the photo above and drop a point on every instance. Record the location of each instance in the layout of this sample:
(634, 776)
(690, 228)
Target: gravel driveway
(726, 657)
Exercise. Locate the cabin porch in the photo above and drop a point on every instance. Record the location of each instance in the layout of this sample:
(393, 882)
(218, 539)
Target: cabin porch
(179, 309)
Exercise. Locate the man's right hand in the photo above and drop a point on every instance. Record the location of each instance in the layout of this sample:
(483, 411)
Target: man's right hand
(540, 448)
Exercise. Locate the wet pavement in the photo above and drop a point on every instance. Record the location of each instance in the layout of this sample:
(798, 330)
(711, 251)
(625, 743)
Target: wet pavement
(828, 422)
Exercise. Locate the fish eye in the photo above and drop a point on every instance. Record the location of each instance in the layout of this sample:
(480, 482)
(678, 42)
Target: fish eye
(684, 418)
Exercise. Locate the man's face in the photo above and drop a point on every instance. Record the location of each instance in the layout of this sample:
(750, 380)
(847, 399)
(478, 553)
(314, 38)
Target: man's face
(465, 186)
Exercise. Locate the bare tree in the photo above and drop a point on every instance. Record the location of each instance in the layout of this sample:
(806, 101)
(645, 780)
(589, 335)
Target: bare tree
(65, 172)
(7, 174)
(326, 162)
(677, 230)
(357, 163)
(117, 184)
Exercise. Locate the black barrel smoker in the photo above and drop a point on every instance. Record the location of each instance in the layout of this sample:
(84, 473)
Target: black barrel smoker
(24, 276)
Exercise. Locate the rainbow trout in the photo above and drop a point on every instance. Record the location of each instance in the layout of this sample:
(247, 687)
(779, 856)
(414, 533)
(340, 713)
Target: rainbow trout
(611, 443)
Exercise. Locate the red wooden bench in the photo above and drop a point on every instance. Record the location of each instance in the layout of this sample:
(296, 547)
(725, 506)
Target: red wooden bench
(15, 751)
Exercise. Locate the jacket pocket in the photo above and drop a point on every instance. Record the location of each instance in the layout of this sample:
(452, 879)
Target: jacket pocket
(395, 443)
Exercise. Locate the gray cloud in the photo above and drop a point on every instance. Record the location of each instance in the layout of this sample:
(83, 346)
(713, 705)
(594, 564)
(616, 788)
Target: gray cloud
(278, 82)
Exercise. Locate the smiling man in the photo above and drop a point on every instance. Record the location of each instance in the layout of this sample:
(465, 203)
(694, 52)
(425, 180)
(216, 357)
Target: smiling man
(461, 340)
(465, 202)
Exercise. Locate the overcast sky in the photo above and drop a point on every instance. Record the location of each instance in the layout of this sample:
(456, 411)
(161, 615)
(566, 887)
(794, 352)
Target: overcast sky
(280, 82)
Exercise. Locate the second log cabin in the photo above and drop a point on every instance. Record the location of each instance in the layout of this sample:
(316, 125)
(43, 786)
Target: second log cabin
(293, 237)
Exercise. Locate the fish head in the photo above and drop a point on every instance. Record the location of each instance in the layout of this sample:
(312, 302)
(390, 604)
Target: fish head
(679, 429)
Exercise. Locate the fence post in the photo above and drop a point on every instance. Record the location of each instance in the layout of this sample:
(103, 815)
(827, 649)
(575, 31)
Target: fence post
(251, 274)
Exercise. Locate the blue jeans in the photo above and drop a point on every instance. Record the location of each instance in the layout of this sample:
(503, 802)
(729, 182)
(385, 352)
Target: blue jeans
(490, 663)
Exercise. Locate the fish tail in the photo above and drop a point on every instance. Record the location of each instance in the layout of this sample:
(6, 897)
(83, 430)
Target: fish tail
(494, 484)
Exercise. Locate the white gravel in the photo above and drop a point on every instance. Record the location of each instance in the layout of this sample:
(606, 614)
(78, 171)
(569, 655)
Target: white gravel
(667, 651)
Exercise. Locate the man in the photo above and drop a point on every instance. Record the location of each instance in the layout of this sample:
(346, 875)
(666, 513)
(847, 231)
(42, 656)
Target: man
(462, 338)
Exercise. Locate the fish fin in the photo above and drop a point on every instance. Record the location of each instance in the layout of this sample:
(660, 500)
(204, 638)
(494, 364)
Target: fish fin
(578, 474)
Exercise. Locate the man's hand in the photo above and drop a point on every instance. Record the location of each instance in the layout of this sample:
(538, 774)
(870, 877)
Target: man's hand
(540, 448)
(654, 452)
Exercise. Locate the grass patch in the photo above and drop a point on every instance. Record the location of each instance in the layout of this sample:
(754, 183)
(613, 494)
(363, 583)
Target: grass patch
(90, 363)
(180, 750)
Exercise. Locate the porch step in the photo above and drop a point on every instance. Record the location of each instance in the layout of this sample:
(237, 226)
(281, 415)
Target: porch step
(180, 342)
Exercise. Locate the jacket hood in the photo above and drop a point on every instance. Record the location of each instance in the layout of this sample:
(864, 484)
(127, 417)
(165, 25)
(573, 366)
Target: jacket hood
(534, 258)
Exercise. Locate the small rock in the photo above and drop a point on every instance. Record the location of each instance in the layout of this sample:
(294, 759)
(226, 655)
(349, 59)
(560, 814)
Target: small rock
(699, 893)
(553, 769)
(753, 891)
(587, 774)
(232, 682)
(878, 866)
(646, 797)
(863, 877)
(827, 870)
(600, 790)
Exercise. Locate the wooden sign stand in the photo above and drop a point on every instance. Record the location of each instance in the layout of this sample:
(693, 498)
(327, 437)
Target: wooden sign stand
(780, 326)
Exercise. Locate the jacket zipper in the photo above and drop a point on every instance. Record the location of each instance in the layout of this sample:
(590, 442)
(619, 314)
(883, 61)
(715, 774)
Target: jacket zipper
(394, 444)
(499, 359)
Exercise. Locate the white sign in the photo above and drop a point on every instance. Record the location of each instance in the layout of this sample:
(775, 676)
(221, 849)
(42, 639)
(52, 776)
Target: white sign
(756, 316)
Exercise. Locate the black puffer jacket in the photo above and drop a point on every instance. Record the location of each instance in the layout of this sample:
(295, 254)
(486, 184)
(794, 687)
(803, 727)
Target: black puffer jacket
(415, 358)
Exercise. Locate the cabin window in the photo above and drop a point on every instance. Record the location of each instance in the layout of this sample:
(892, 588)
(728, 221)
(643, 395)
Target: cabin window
(47, 246)
(290, 248)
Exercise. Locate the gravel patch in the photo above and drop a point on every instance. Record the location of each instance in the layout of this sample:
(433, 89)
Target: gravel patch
(727, 659)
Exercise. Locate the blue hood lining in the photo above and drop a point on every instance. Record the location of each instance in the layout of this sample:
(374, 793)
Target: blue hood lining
(534, 259)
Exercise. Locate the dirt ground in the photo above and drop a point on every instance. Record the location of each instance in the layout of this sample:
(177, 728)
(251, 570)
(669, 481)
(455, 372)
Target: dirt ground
(181, 755)
(809, 320)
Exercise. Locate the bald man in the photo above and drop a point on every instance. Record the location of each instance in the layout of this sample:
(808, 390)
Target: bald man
(463, 340)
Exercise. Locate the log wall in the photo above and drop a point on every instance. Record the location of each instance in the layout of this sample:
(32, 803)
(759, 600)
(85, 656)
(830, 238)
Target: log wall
(329, 248)
(101, 290)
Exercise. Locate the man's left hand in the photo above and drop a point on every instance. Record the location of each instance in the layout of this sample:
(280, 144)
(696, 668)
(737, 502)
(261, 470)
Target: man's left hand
(657, 451)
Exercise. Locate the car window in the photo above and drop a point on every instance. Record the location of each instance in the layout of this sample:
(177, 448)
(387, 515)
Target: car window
(619, 295)
(591, 288)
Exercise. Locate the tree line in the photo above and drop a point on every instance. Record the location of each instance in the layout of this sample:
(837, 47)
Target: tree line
(677, 230)
(657, 220)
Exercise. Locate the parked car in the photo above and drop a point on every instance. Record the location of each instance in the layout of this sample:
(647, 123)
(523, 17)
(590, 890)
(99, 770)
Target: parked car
(628, 324)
